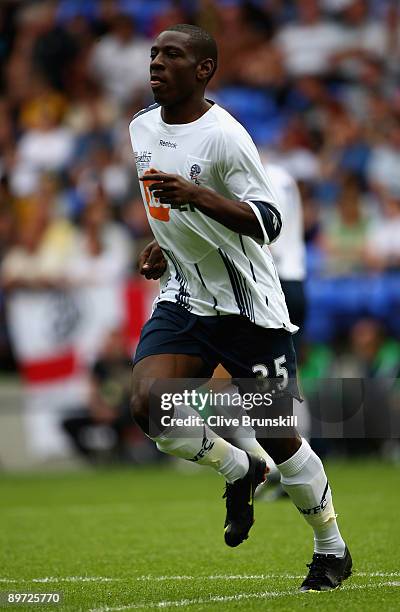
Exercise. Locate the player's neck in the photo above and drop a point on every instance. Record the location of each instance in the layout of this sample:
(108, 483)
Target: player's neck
(185, 112)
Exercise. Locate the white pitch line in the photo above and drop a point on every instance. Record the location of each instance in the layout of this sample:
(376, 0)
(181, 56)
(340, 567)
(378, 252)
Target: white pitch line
(219, 577)
(74, 508)
(151, 578)
(61, 579)
(189, 602)
(376, 574)
(237, 597)
(162, 578)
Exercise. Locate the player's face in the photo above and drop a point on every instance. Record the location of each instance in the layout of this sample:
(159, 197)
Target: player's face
(173, 69)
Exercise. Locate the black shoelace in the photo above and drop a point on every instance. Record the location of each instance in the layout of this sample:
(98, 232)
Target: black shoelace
(319, 568)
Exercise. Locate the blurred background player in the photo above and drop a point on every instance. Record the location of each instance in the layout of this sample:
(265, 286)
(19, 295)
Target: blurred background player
(289, 251)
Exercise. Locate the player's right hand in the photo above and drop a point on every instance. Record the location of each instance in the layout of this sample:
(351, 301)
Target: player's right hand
(152, 263)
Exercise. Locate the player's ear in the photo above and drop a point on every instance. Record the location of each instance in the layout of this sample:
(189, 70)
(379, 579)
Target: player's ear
(205, 69)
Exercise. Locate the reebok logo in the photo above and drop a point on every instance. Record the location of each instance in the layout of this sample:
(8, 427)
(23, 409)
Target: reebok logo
(167, 143)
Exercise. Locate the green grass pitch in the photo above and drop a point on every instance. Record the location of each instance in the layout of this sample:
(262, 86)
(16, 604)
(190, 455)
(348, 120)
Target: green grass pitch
(150, 538)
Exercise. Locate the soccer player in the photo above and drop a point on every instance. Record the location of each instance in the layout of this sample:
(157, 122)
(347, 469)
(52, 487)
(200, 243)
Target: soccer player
(211, 206)
(289, 251)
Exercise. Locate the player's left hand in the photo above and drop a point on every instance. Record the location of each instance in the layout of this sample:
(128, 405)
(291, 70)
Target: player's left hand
(171, 188)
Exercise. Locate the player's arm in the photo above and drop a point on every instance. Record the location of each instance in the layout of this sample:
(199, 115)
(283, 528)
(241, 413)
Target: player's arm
(235, 215)
(242, 178)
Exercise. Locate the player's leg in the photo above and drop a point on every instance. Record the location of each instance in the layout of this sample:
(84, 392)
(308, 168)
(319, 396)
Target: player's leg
(196, 442)
(172, 345)
(304, 479)
(296, 303)
(242, 437)
(302, 473)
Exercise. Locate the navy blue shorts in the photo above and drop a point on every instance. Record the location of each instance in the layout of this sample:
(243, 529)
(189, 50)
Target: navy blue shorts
(244, 349)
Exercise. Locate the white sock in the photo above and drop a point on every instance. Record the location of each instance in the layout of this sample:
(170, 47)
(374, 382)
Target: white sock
(303, 478)
(250, 445)
(202, 445)
(244, 437)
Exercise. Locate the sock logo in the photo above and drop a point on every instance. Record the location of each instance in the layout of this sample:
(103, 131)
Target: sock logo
(206, 446)
(316, 509)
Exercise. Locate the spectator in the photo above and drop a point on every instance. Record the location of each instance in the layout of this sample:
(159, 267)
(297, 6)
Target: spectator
(295, 154)
(104, 430)
(344, 232)
(54, 48)
(308, 44)
(7, 225)
(101, 259)
(120, 61)
(366, 38)
(383, 168)
(374, 355)
(46, 146)
(42, 247)
(236, 39)
(383, 242)
(345, 149)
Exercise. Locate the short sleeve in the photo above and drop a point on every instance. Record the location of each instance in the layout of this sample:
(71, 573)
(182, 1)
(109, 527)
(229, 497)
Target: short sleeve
(244, 178)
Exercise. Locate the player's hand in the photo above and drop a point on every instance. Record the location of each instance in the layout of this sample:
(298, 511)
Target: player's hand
(171, 188)
(152, 263)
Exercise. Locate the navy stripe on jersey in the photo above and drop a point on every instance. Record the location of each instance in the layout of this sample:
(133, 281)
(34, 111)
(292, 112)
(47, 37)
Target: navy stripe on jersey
(240, 289)
(215, 305)
(183, 296)
(200, 276)
(272, 219)
(246, 292)
(168, 281)
(166, 286)
(205, 287)
(244, 251)
(145, 110)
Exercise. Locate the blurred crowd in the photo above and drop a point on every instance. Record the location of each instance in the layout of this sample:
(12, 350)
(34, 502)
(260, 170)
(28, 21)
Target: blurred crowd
(316, 82)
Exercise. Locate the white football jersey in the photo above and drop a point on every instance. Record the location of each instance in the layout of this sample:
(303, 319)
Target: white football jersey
(289, 251)
(211, 269)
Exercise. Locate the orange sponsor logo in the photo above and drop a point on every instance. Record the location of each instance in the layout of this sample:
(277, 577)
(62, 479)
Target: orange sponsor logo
(156, 209)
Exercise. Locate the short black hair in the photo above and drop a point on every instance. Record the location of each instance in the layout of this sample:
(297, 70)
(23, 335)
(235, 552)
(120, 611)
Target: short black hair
(202, 42)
